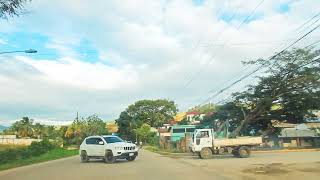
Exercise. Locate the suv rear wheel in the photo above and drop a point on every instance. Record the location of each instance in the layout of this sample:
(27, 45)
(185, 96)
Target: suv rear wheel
(109, 158)
(84, 157)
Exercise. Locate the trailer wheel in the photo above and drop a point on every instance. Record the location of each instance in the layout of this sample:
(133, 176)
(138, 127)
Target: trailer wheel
(244, 152)
(206, 153)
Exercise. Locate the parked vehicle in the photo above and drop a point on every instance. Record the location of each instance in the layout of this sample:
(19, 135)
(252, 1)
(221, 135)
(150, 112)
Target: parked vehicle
(109, 148)
(205, 144)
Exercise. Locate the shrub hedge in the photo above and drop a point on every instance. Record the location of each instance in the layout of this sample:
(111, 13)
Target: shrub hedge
(35, 149)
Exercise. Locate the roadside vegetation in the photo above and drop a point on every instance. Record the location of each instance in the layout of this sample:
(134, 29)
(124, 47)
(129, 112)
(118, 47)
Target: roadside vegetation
(71, 135)
(15, 156)
(161, 151)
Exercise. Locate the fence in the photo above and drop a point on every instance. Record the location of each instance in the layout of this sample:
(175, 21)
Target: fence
(181, 145)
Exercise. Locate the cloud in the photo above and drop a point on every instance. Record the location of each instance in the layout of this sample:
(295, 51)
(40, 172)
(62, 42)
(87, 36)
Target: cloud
(109, 54)
(3, 42)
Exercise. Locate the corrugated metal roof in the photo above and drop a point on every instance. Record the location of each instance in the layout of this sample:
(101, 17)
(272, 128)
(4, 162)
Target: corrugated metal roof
(292, 132)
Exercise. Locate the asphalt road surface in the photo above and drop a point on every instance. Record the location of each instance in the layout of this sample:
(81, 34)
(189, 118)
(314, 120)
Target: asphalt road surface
(153, 166)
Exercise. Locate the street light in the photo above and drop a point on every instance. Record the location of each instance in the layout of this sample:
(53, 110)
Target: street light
(28, 51)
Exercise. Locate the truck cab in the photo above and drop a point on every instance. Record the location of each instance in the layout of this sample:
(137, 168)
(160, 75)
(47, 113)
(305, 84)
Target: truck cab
(201, 138)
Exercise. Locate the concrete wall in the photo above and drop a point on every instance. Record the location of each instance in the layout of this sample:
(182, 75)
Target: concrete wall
(8, 141)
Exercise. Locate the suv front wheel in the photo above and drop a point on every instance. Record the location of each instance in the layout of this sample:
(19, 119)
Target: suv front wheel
(109, 158)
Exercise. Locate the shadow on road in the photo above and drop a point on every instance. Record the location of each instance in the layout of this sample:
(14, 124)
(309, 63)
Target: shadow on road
(119, 161)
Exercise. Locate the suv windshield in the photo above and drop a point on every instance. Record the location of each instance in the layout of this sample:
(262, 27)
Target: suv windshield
(112, 139)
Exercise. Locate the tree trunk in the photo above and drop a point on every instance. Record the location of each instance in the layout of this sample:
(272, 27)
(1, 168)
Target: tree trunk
(251, 116)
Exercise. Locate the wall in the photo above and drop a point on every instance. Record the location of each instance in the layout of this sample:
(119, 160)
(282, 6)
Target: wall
(8, 141)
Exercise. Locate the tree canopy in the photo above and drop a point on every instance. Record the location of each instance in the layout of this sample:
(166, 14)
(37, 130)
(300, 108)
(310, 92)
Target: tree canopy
(152, 112)
(10, 8)
(81, 128)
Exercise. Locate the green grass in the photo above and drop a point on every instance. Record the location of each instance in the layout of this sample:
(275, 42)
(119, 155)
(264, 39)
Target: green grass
(51, 155)
(161, 151)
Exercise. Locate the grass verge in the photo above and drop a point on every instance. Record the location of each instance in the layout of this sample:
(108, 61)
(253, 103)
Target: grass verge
(162, 151)
(56, 153)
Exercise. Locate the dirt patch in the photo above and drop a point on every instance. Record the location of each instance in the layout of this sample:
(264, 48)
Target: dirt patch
(267, 169)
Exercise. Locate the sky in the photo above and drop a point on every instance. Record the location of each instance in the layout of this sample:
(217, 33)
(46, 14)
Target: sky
(98, 57)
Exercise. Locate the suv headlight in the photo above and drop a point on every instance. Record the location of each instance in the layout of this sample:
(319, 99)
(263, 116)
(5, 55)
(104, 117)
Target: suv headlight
(118, 148)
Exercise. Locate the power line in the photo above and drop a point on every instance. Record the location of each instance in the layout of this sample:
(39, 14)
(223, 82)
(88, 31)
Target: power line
(313, 44)
(212, 57)
(263, 65)
(318, 14)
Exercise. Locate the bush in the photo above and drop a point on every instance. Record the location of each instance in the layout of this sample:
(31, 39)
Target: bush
(35, 149)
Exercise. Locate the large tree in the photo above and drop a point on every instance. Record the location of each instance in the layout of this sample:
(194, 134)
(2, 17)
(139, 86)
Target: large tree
(288, 90)
(152, 112)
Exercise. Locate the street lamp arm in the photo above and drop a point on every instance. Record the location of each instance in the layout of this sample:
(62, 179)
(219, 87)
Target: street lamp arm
(7, 52)
(29, 51)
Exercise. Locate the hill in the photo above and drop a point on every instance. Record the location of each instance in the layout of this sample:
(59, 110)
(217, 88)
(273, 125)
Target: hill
(2, 128)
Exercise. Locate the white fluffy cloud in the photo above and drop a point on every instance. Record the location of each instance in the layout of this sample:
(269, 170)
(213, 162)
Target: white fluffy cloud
(146, 49)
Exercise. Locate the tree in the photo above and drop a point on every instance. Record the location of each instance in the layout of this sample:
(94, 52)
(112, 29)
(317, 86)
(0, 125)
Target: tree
(126, 125)
(291, 83)
(23, 128)
(96, 126)
(10, 8)
(152, 112)
(38, 130)
(81, 128)
(206, 108)
(231, 112)
(144, 132)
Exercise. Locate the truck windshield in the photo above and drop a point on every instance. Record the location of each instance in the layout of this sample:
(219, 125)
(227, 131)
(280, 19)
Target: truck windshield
(112, 139)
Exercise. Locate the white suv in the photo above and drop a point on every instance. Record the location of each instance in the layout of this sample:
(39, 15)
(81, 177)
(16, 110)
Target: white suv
(109, 148)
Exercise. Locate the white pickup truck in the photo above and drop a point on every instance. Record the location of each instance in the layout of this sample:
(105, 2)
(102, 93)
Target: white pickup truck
(109, 148)
(205, 144)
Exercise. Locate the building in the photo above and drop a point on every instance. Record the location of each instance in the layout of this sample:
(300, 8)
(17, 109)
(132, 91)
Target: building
(176, 136)
(178, 132)
(296, 135)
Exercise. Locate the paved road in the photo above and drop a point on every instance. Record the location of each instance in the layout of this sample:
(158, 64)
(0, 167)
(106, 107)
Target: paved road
(149, 166)
(153, 166)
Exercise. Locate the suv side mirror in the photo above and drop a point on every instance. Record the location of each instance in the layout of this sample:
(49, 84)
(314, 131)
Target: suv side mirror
(101, 143)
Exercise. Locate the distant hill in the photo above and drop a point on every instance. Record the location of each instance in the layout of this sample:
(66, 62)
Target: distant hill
(2, 128)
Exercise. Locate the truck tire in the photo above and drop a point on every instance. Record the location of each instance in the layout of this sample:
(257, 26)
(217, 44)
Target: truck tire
(84, 157)
(109, 158)
(244, 152)
(132, 158)
(206, 153)
(235, 152)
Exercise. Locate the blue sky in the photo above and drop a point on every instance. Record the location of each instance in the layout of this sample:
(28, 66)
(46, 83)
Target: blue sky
(100, 58)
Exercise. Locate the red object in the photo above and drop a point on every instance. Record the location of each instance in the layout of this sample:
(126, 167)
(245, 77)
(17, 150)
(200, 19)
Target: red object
(173, 122)
(193, 113)
(210, 113)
